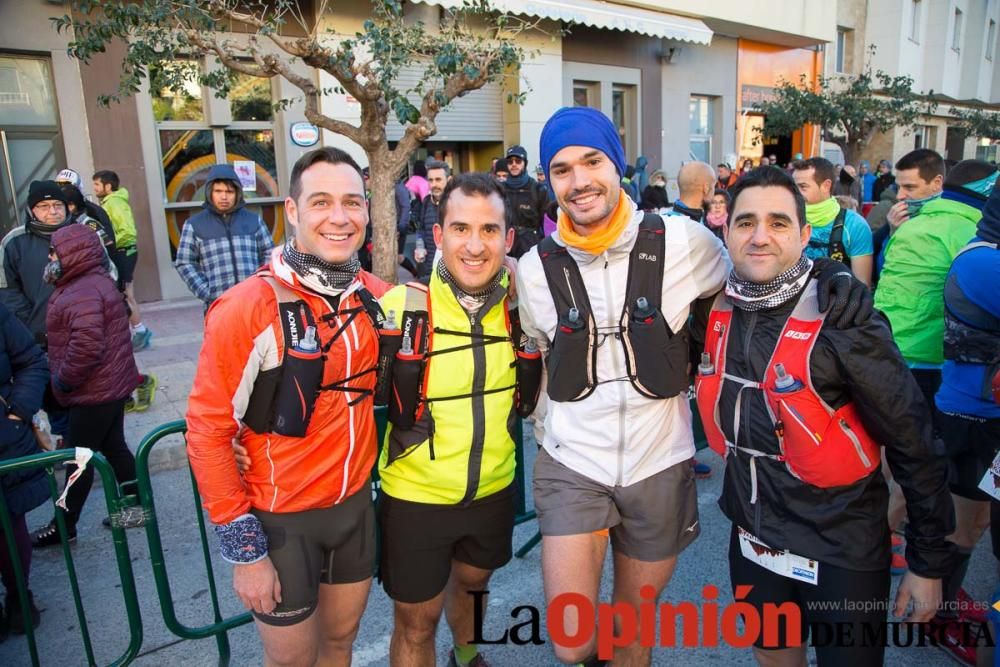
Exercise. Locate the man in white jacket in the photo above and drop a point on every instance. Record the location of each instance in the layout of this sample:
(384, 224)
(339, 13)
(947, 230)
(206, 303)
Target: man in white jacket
(607, 298)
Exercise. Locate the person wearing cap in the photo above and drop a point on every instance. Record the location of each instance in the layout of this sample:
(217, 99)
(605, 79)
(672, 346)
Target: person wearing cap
(526, 200)
(500, 171)
(224, 243)
(87, 213)
(616, 429)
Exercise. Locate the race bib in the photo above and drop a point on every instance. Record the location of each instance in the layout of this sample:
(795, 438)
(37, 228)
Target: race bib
(990, 483)
(780, 562)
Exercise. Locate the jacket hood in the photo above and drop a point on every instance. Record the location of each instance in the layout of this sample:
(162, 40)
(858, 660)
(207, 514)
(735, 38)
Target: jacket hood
(223, 172)
(120, 193)
(80, 251)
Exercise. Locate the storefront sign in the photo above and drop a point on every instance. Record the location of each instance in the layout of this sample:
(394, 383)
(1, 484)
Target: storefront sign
(751, 97)
(304, 134)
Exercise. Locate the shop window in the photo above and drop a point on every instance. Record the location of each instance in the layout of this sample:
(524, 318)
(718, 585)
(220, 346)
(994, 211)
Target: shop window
(190, 146)
(701, 126)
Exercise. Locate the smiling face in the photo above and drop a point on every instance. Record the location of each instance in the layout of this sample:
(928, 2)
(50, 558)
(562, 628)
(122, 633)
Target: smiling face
(587, 186)
(765, 238)
(473, 239)
(331, 214)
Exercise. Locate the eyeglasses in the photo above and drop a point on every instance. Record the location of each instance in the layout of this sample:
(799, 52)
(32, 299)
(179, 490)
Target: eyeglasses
(49, 207)
(515, 160)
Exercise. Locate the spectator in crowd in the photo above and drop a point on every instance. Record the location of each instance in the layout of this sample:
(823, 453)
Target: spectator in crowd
(24, 374)
(526, 201)
(654, 197)
(224, 243)
(747, 166)
(883, 180)
(114, 200)
(501, 171)
(919, 180)
(438, 175)
(867, 180)
(417, 183)
(540, 175)
(628, 185)
(968, 409)
(837, 233)
(91, 363)
(87, 212)
(640, 178)
(727, 178)
(848, 185)
(696, 182)
(764, 161)
(718, 213)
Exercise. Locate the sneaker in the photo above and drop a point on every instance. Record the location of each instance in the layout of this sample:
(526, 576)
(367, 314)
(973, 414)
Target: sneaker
(949, 634)
(701, 470)
(49, 536)
(144, 393)
(970, 610)
(130, 404)
(478, 661)
(898, 565)
(140, 340)
(15, 617)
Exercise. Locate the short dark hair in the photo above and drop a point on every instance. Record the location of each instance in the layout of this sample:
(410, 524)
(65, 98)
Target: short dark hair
(108, 177)
(725, 195)
(928, 163)
(968, 171)
(823, 167)
(75, 197)
(327, 154)
(438, 164)
(472, 184)
(769, 177)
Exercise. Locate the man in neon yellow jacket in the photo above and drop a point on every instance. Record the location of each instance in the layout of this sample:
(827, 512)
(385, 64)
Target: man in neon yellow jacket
(447, 464)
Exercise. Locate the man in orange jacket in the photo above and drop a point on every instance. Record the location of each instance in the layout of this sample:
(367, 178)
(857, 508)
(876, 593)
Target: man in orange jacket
(299, 525)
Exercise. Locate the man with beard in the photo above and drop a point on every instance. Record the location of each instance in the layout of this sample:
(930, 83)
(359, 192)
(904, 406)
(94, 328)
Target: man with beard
(526, 201)
(438, 175)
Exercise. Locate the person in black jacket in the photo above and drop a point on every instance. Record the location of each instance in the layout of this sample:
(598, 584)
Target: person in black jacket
(526, 201)
(24, 374)
(830, 540)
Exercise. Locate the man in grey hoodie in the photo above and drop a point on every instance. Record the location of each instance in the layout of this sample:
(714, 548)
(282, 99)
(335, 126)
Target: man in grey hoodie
(224, 243)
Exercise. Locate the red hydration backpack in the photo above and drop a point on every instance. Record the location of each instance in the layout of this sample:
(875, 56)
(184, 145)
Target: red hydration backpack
(819, 445)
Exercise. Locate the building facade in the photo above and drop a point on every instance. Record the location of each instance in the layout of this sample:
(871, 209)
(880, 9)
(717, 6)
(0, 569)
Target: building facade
(678, 80)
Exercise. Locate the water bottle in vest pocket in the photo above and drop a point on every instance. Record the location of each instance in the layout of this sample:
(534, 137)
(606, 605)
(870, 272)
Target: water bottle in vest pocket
(655, 355)
(390, 338)
(529, 378)
(569, 379)
(301, 377)
(821, 449)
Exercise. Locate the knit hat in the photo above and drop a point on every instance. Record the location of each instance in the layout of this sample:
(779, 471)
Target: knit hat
(518, 151)
(42, 190)
(581, 126)
(501, 165)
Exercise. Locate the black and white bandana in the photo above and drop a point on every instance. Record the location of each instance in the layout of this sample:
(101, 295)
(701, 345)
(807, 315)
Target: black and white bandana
(751, 296)
(471, 302)
(331, 276)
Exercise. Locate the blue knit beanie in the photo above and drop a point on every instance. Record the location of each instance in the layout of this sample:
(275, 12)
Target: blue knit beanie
(580, 126)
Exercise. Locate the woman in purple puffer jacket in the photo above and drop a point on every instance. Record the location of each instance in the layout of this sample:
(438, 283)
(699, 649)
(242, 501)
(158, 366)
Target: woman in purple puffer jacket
(90, 360)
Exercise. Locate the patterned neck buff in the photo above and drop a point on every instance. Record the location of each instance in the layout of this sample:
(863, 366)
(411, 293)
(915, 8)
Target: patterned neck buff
(751, 297)
(330, 276)
(470, 302)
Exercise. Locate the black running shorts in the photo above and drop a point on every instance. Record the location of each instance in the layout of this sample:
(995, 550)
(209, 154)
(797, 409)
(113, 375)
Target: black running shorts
(420, 540)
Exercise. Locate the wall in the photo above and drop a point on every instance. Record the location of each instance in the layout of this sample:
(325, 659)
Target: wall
(699, 70)
(617, 49)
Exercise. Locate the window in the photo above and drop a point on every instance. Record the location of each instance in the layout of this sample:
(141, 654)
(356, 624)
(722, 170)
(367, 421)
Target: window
(991, 39)
(956, 33)
(701, 125)
(915, 20)
(626, 118)
(924, 136)
(190, 144)
(841, 55)
(586, 94)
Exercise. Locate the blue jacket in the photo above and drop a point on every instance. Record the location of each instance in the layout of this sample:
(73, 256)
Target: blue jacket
(218, 250)
(24, 374)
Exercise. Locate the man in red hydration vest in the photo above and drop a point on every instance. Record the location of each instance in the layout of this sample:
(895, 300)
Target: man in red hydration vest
(801, 410)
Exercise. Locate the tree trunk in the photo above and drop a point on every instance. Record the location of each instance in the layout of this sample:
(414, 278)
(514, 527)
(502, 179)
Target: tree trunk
(383, 216)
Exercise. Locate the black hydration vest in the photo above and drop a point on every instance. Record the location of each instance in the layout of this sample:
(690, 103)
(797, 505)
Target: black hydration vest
(656, 358)
(971, 334)
(834, 248)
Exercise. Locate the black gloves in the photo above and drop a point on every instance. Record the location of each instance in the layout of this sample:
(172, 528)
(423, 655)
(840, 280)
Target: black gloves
(849, 300)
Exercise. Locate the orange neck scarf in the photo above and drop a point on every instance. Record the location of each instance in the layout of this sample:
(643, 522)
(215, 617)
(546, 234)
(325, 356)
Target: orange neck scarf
(599, 241)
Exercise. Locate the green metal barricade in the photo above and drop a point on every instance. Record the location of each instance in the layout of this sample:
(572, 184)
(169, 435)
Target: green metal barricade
(116, 501)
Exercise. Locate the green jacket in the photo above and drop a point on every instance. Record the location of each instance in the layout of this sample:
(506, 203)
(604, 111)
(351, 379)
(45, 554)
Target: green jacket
(117, 207)
(911, 287)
